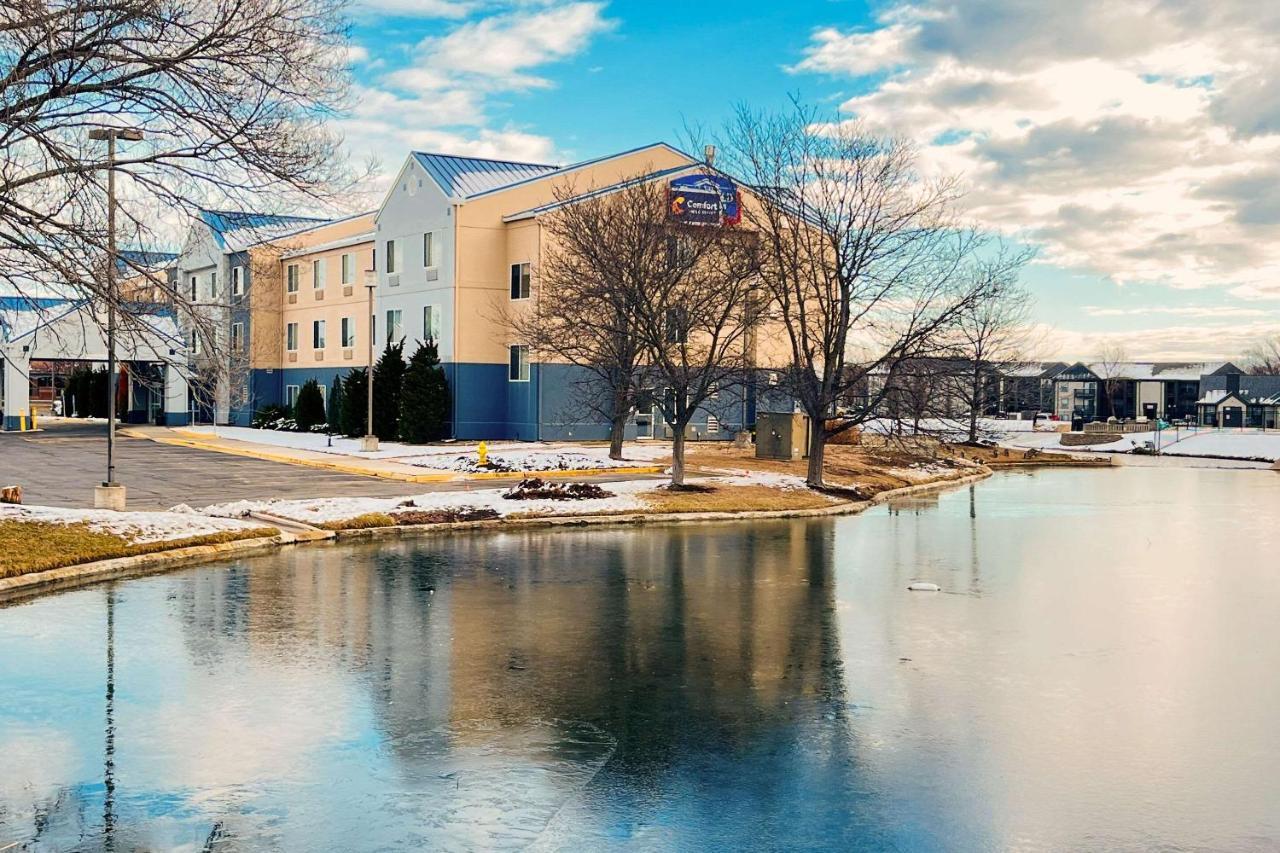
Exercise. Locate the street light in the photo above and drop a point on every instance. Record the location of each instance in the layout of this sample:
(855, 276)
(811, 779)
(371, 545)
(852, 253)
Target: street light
(111, 495)
(369, 444)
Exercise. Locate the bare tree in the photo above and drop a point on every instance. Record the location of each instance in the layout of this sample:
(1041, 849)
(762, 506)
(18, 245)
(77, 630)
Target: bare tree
(233, 97)
(602, 251)
(1112, 360)
(696, 322)
(1263, 358)
(990, 335)
(864, 256)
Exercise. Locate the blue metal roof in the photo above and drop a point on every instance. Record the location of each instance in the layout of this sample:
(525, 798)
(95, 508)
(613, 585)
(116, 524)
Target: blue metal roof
(599, 191)
(461, 177)
(224, 223)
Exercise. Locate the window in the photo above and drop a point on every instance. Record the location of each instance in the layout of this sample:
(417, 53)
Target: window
(237, 336)
(213, 285)
(431, 323)
(519, 367)
(237, 281)
(519, 281)
(677, 326)
(395, 328)
(428, 250)
(348, 333)
(348, 268)
(317, 275)
(291, 278)
(195, 342)
(317, 334)
(391, 256)
(291, 337)
(291, 395)
(194, 286)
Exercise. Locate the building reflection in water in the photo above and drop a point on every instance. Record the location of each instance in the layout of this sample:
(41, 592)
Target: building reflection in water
(661, 685)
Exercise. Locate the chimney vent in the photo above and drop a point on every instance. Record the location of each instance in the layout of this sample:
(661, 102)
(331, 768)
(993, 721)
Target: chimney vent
(709, 154)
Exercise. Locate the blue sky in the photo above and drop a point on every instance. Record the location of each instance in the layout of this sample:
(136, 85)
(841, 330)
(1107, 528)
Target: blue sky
(1133, 143)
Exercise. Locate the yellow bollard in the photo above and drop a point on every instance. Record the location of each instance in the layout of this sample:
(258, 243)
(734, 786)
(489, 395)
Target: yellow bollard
(33, 420)
(22, 421)
(483, 450)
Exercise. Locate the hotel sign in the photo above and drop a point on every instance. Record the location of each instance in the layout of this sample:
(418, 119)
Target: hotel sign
(704, 200)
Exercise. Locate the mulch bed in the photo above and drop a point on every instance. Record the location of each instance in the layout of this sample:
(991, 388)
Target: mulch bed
(537, 489)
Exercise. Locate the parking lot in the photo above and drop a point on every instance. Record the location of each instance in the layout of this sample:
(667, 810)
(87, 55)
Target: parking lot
(60, 465)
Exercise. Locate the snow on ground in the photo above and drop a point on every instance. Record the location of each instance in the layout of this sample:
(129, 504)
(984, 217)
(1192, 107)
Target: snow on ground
(455, 456)
(135, 527)
(957, 429)
(1207, 443)
(627, 497)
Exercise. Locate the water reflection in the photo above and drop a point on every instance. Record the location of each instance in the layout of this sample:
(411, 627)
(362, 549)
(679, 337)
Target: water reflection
(481, 691)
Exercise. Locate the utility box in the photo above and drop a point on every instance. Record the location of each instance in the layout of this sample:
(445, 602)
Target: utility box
(781, 435)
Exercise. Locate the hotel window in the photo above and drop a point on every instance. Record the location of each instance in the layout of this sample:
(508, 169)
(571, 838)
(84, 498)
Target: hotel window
(237, 336)
(291, 395)
(237, 281)
(317, 275)
(291, 278)
(348, 333)
(317, 334)
(291, 337)
(431, 322)
(395, 328)
(519, 367)
(519, 281)
(348, 268)
(428, 250)
(391, 256)
(195, 342)
(213, 285)
(677, 326)
(194, 286)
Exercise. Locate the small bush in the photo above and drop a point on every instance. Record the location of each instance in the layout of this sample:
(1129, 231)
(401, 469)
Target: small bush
(444, 516)
(534, 488)
(269, 415)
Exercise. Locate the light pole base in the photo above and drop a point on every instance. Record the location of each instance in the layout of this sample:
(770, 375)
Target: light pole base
(109, 497)
(369, 444)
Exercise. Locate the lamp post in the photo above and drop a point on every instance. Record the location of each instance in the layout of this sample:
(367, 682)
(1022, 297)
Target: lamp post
(111, 495)
(369, 444)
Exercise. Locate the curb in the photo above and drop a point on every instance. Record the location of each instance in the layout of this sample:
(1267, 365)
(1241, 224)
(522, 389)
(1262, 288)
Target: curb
(70, 577)
(194, 440)
(83, 574)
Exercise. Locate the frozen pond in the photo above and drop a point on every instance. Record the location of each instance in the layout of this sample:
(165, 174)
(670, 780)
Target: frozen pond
(1100, 672)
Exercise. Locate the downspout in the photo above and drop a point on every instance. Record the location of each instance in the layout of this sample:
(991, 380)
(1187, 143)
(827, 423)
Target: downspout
(457, 277)
(537, 428)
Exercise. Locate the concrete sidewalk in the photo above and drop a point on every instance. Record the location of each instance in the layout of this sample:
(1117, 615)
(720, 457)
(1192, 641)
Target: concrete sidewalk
(387, 469)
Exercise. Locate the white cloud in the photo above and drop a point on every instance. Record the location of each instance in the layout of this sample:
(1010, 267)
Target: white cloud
(417, 8)
(1132, 138)
(1185, 342)
(1205, 311)
(438, 101)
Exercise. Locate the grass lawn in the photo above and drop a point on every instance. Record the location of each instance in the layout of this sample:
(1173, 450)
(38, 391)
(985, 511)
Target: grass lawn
(752, 498)
(34, 546)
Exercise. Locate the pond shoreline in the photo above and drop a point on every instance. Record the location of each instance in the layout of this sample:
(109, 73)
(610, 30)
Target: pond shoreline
(23, 587)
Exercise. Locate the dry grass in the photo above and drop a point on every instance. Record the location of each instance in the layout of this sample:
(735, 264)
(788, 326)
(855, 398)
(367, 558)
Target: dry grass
(360, 522)
(34, 546)
(735, 499)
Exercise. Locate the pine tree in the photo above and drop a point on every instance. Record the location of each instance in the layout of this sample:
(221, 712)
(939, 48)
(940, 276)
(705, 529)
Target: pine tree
(355, 387)
(335, 404)
(308, 411)
(388, 380)
(425, 400)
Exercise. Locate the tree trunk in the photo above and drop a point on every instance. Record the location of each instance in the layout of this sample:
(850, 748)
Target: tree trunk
(617, 431)
(973, 410)
(677, 456)
(817, 453)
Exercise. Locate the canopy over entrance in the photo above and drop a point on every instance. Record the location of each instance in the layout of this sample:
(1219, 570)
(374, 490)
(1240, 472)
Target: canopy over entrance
(75, 331)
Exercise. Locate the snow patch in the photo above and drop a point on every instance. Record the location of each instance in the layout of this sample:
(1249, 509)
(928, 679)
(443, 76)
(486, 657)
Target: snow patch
(134, 527)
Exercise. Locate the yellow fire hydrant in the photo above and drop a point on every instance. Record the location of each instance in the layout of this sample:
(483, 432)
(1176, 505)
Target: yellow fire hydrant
(483, 451)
